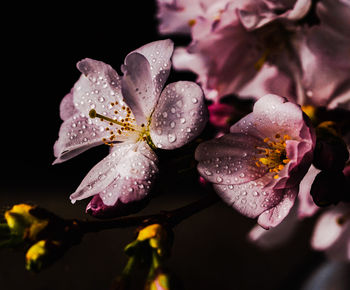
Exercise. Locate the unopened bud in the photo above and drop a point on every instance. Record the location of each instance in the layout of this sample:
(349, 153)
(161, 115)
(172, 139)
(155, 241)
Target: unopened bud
(22, 223)
(328, 188)
(331, 152)
(42, 254)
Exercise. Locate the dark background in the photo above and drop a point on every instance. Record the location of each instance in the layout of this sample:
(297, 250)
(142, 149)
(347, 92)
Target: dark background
(41, 45)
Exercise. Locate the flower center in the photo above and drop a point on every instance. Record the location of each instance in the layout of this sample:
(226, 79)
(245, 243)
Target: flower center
(273, 156)
(124, 128)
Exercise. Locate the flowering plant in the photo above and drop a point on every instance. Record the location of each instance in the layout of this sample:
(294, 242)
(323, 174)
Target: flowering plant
(263, 126)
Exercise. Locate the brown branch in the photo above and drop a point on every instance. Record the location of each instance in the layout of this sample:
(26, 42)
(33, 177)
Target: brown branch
(170, 218)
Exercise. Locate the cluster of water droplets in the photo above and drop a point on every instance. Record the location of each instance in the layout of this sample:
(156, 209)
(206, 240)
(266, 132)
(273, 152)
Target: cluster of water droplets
(80, 130)
(179, 116)
(126, 173)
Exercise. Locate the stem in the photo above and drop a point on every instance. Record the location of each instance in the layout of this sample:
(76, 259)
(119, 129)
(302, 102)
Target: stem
(171, 218)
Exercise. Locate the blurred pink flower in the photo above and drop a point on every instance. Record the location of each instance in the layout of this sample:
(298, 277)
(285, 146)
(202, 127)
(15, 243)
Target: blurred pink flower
(332, 233)
(324, 57)
(258, 166)
(229, 52)
(133, 115)
(178, 16)
(251, 48)
(220, 115)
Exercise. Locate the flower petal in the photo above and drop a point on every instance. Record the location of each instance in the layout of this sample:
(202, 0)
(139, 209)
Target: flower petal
(137, 87)
(272, 113)
(307, 207)
(97, 88)
(251, 198)
(67, 108)
(126, 174)
(275, 215)
(158, 54)
(230, 159)
(76, 135)
(275, 236)
(329, 230)
(180, 115)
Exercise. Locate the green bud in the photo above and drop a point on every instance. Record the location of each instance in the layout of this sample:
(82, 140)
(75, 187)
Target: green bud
(42, 254)
(22, 224)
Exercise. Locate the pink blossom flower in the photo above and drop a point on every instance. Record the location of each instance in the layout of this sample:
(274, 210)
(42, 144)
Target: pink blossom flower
(133, 115)
(220, 115)
(332, 233)
(178, 16)
(258, 166)
(324, 57)
(229, 53)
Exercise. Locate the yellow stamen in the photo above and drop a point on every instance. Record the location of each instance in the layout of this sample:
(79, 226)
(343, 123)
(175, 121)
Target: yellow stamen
(274, 155)
(191, 22)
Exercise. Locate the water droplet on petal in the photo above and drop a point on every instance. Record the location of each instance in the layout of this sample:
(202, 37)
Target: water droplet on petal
(183, 120)
(219, 179)
(171, 138)
(207, 172)
(172, 124)
(194, 100)
(179, 103)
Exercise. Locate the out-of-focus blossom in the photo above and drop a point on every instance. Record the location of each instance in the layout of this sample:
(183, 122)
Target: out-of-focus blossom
(133, 115)
(178, 16)
(332, 233)
(250, 48)
(324, 57)
(258, 166)
(220, 116)
(229, 52)
(332, 230)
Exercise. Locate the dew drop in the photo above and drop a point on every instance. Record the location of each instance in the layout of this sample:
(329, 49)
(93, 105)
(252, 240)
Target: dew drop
(194, 100)
(179, 103)
(172, 124)
(219, 179)
(171, 138)
(182, 120)
(101, 99)
(207, 172)
(173, 110)
(165, 114)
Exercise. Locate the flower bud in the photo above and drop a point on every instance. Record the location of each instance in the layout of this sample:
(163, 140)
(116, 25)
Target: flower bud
(22, 224)
(42, 254)
(328, 188)
(157, 236)
(98, 209)
(161, 281)
(331, 152)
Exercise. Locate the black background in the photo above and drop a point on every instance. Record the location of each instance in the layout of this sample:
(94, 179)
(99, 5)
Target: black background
(41, 46)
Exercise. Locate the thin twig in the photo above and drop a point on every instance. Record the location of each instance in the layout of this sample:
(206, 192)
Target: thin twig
(171, 218)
